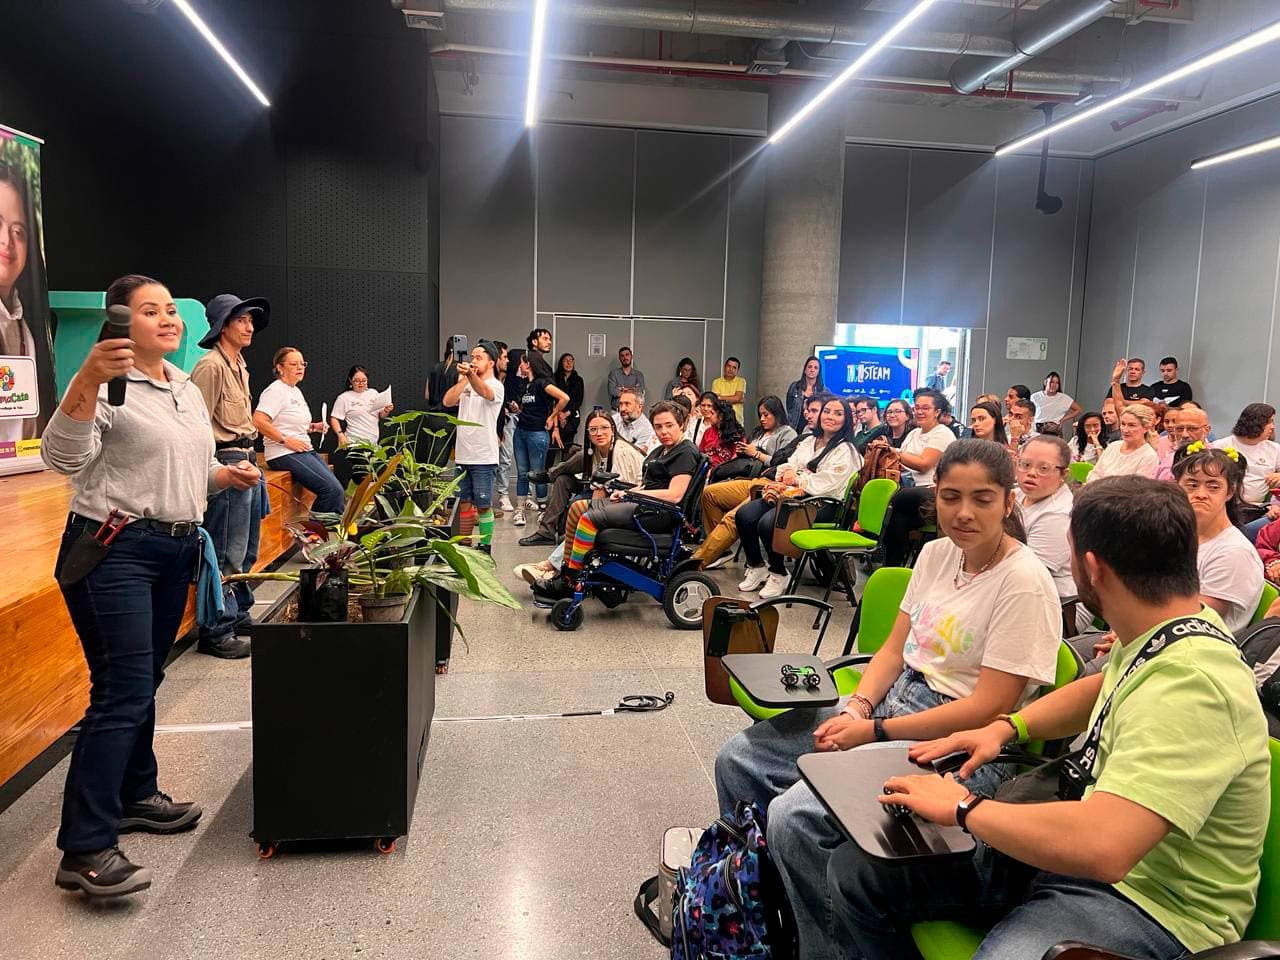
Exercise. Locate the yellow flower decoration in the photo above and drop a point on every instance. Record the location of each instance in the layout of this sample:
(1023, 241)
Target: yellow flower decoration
(1232, 452)
(1197, 447)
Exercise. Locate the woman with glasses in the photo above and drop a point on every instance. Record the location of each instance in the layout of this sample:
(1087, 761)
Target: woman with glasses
(284, 420)
(898, 416)
(1044, 500)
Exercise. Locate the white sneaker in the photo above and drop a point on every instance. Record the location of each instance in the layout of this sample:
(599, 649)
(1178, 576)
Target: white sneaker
(505, 505)
(518, 519)
(774, 586)
(754, 580)
(721, 561)
(531, 505)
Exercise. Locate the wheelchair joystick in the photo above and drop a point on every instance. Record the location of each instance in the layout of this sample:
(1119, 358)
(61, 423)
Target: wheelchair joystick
(897, 810)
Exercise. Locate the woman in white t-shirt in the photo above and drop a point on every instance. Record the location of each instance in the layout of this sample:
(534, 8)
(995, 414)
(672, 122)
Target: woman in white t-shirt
(920, 452)
(977, 632)
(285, 422)
(1254, 436)
(1135, 453)
(358, 408)
(1229, 566)
(1053, 407)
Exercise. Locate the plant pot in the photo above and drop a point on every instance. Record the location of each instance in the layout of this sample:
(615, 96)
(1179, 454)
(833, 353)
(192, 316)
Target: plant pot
(322, 599)
(341, 719)
(383, 609)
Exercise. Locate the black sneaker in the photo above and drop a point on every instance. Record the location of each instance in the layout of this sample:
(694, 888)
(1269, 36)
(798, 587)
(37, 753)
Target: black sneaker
(553, 588)
(486, 548)
(159, 814)
(539, 477)
(228, 648)
(104, 873)
(538, 539)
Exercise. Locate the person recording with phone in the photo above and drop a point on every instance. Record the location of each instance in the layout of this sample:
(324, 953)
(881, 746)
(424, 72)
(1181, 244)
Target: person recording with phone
(141, 473)
(284, 420)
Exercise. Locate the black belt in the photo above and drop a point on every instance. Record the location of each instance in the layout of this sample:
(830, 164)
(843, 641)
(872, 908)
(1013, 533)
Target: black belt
(239, 443)
(178, 528)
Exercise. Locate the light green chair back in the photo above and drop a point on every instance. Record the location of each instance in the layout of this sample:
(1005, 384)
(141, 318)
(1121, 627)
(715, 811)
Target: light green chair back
(1079, 471)
(1265, 924)
(873, 503)
(1269, 595)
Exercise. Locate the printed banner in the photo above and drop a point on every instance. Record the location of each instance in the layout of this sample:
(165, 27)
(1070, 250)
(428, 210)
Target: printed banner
(885, 373)
(26, 341)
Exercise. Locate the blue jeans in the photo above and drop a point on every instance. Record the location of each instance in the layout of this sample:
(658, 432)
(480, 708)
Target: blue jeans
(506, 451)
(877, 901)
(314, 474)
(476, 485)
(126, 612)
(759, 764)
(231, 517)
(531, 454)
(1254, 527)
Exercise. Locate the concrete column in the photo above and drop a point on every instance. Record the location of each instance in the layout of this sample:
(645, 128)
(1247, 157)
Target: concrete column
(804, 194)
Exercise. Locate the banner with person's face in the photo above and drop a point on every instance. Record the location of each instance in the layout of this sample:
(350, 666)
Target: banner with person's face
(26, 340)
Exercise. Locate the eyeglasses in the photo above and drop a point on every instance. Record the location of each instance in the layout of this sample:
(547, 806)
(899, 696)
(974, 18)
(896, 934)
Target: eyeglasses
(601, 429)
(1039, 469)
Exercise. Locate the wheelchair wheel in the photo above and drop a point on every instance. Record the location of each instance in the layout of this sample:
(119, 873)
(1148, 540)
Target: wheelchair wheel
(565, 616)
(683, 597)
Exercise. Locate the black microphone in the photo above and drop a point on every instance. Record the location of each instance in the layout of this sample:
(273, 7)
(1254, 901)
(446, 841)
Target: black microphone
(116, 328)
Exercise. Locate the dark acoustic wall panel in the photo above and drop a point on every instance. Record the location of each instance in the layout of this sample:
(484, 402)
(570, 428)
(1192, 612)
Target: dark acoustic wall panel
(873, 232)
(584, 191)
(487, 217)
(373, 318)
(741, 327)
(1032, 282)
(949, 238)
(682, 206)
(356, 212)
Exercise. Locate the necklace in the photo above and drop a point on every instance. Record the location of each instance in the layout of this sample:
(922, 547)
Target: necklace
(961, 584)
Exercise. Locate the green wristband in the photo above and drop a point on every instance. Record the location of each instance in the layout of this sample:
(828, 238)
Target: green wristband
(1020, 726)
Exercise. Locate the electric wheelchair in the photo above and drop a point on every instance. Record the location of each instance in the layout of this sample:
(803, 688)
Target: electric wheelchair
(624, 559)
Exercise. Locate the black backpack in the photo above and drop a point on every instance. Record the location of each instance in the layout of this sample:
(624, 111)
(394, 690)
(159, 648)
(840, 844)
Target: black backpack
(1260, 646)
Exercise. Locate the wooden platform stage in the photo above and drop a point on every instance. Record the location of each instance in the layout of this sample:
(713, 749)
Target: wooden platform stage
(44, 683)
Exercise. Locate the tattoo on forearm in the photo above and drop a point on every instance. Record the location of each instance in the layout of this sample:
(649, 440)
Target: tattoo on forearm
(79, 403)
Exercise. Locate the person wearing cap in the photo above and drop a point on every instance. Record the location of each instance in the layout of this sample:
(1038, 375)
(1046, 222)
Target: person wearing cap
(478, 396)
(232, 516)
(141, 474)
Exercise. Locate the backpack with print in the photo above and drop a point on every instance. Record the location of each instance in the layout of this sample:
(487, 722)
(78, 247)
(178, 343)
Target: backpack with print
(730, 903)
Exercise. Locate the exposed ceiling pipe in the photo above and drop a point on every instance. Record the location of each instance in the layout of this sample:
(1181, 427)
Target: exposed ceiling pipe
(1032, 34)
(736, 71)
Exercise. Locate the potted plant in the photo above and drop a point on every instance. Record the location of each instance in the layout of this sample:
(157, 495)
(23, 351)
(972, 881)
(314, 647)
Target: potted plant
(342, 710)
(422, 476)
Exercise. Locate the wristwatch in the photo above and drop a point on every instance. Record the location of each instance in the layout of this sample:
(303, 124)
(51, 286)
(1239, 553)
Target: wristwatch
(881, 734)
(965, 807)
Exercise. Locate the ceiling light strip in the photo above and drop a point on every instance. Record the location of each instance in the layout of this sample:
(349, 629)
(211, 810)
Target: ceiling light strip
(203, 29)
(1245, 44)
(535, 62)
(1248, 150)
(850, 71)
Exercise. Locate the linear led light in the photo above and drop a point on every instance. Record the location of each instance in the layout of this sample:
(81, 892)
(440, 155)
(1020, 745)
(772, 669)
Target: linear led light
(203, 29)
(848, 72)
(535, 62)
(1246, 43)
(1248, 150)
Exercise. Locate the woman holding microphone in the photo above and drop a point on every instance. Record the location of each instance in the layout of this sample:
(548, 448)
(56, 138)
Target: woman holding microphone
(141, 473)
(284, 420)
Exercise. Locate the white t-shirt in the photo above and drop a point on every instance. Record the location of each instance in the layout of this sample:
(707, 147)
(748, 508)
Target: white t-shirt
(1051, 407)
(289, 413)
(1007, 619)
(1263, 458)
(1231, 570)
(1115, 462)
(360, 411)
(1046, 522)
(478, 445)
(917, 442)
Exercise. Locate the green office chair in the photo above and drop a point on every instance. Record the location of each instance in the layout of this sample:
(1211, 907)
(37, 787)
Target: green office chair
(1080, 471)
(873, 504)
(947, 940)
(873, 621)
(1269, 595)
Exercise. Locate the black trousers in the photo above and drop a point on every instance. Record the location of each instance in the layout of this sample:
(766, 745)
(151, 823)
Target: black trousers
(908, 514)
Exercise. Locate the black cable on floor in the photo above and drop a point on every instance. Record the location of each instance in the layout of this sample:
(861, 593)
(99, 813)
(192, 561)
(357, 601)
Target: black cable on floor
(632, 703)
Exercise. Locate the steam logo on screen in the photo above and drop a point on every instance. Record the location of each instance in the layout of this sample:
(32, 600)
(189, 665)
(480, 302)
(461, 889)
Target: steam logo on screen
(869, 373)
(8, 379)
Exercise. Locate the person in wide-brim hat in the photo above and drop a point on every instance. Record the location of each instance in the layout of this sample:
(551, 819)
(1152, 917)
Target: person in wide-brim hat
(225, 306)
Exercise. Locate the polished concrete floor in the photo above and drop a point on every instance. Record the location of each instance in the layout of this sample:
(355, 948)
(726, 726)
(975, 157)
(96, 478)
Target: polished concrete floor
(530, 836)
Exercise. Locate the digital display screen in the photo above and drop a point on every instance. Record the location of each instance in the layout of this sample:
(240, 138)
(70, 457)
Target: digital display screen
(885, 373)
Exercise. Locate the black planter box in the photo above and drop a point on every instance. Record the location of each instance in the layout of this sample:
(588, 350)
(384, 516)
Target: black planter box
(341, 717)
